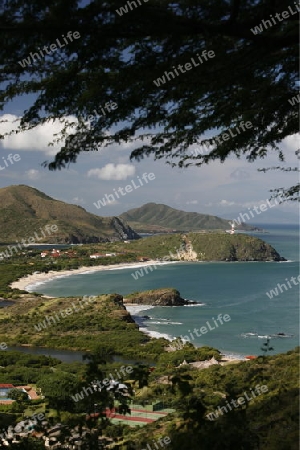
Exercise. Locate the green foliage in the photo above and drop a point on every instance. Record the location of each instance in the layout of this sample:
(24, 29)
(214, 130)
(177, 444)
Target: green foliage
(18, 395)
(92, 71)
(21, 368)
(58, 387)
(103, 322)
(153, 214)
(208, 246)
(237, 247)
(268, 421)
(188, 353)
(25, 211)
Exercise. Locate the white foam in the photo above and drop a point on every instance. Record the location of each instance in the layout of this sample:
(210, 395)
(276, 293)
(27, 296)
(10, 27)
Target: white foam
(135, 309)
(156, 334)
(198, 304)
(141, 265)
(166, 323)
(246, 335)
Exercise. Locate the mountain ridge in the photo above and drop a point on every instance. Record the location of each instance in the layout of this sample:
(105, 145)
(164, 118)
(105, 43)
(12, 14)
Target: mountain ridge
(158, 216)
(24, 209)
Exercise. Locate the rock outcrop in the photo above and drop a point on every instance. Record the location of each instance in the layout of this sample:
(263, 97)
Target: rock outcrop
(158, 297)
(123, 230)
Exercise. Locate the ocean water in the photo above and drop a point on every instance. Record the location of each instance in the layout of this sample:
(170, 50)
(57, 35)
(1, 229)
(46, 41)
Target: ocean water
(237, 289)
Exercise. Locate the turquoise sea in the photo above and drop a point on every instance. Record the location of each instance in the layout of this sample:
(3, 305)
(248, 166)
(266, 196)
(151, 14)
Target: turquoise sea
(237, 289)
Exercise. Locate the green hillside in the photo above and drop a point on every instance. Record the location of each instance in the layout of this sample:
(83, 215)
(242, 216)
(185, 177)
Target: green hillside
(154, 217)
(25, 210)
(206, 247)
(99, 321)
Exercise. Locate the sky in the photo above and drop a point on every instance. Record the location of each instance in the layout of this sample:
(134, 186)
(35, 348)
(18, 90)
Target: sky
(226, 189)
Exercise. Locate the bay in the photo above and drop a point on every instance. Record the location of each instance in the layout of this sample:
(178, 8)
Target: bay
(236, 288)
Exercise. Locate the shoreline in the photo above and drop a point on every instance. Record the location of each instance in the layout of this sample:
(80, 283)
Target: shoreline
(133, 309)
(29, 282)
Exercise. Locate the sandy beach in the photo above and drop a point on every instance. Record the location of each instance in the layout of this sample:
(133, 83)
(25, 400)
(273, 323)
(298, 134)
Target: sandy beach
(29, 282)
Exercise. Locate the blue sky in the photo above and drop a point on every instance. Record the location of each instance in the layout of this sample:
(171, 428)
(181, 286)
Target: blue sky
(220, 189)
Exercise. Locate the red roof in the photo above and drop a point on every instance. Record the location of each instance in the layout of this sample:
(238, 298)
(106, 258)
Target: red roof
(6, 386)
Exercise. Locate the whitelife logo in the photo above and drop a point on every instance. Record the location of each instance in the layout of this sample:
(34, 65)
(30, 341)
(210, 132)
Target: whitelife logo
(183, 249)
(68, 311)
(98, 385)
(30, 422)
(274, 292)
(203, 330)
(187, 66)
(236, 403)
(263, 207)
(124, 9)
(265, 24)
(11, 159)
(162, 441)
(111, 198)
(53, 48)
(109, 106)
(31, 240)
(209, 144)
(294, 100)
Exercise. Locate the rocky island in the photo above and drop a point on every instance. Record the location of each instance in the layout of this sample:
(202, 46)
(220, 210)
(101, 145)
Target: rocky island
(158, 297)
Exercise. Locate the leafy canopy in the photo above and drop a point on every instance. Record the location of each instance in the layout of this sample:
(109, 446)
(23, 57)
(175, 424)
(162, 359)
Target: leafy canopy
(118, 57)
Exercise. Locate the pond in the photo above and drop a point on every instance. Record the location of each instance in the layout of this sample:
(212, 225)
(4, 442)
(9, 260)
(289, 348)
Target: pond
(70, 356)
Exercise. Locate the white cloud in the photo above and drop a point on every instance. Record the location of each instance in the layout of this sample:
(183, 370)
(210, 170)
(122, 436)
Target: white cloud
(291, 143)
(192, 202)
(239, 174)
(226, 203)
(78, 201)
(113, 172)
(33, 174)
(36, 139)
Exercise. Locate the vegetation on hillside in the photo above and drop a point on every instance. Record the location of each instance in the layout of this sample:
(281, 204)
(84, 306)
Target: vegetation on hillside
(158, 215)
(208, 246)
(157, 297)
(102, 329)
(25, 210)
(37, 321)
(267, 419)
(29, 261)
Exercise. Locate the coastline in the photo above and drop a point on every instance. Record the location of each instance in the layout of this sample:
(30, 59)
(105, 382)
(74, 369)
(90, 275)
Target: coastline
(134, 309)
(30, 282)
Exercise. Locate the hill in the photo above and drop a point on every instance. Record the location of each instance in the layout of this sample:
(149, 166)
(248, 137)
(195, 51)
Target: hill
(206, 247)
(158, 297)
(158, 217)
(25, 210)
